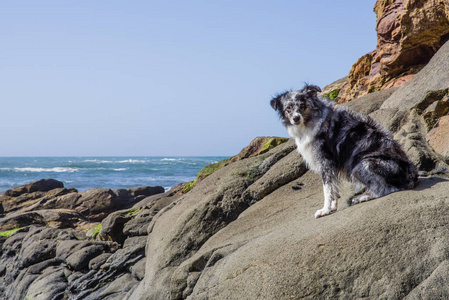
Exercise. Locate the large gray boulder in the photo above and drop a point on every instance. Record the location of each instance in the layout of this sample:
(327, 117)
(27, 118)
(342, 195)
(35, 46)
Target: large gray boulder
(275, 249)
(387, 248)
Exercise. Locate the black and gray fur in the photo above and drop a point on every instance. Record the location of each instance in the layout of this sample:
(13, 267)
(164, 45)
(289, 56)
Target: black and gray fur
(335, 141)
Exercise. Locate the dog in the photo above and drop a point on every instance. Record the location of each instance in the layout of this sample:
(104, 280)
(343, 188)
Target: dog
(336, 142)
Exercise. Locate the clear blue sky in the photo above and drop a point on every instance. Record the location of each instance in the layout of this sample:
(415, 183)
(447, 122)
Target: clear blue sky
(106, 78)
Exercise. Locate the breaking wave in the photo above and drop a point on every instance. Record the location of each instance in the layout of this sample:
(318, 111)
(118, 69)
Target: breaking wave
(39, 170)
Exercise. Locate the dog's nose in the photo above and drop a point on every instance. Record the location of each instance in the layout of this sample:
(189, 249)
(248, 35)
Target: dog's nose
(296, 119)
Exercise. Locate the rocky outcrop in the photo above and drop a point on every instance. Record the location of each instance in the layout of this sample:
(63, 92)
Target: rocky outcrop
(47, 202)
(409, 33)
(47, 256)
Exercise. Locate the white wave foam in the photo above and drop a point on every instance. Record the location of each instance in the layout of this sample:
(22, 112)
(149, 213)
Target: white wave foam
(120, 169)
(38, 170)
(172, 159)
(132, 161)
(169, 159)
(98, 161)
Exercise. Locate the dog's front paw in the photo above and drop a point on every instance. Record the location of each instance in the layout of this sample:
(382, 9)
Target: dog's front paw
(322, 212)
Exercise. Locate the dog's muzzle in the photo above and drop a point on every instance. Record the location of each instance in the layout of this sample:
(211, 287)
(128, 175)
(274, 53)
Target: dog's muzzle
(296, 119)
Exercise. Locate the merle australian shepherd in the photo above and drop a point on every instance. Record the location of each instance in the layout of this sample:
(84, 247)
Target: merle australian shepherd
(336, 142)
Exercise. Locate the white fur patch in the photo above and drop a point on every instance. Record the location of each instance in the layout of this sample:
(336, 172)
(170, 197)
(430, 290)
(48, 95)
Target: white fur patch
(304, 138)
(330, 200)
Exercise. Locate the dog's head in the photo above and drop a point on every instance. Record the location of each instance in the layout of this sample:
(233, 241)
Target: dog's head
(296, 108)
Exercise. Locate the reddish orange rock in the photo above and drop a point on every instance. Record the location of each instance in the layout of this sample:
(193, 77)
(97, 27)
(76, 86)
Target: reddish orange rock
(409, 33)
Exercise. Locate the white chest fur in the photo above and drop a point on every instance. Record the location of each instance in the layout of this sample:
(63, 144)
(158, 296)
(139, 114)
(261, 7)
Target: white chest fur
(304, 142)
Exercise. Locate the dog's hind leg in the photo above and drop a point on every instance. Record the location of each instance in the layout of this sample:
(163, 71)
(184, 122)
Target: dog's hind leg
(367, 172)
(356, 199)
(359, 188)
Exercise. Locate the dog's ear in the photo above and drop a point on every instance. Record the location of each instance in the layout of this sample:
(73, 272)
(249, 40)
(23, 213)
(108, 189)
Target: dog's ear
(312, 90)
(276, 103)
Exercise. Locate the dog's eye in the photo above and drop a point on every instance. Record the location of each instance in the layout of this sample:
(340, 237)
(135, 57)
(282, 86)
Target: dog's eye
(302, 106)
(288, 108)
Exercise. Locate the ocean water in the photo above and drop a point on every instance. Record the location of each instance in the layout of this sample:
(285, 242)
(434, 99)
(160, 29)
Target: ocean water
(85, 173)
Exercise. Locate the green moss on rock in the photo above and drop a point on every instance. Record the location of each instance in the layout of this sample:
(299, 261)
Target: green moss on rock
(8, 233)
(259, 145)
(189, 185)
(332, 95)
(96, 231)
(271, 143)
(206, 171)
(209, 169)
